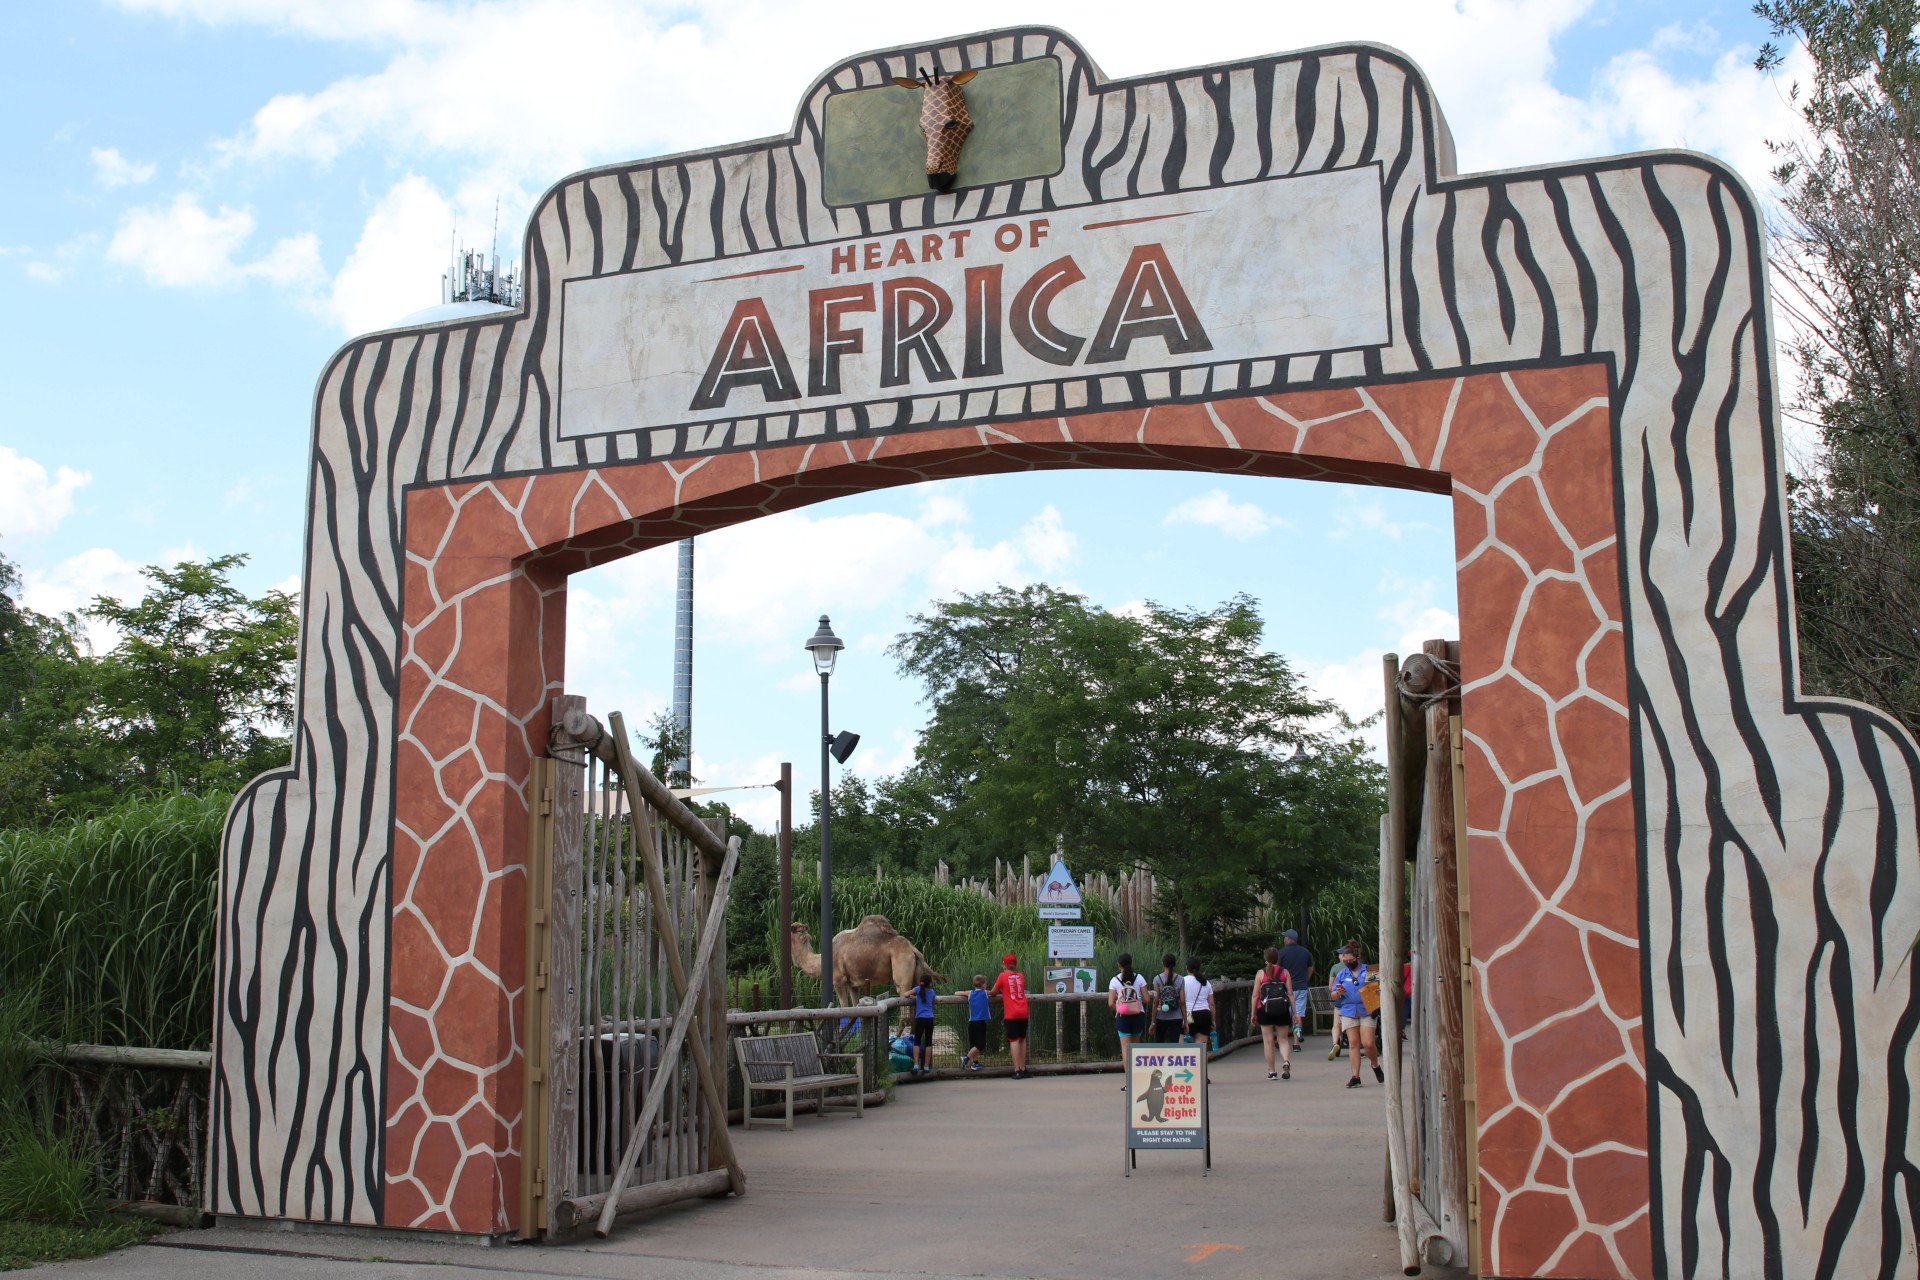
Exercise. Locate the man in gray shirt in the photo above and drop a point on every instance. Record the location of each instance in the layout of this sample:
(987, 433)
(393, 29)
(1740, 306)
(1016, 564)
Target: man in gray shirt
(1298, 962)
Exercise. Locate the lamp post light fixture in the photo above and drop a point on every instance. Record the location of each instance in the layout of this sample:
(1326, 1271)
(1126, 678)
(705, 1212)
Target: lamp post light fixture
(825, 647)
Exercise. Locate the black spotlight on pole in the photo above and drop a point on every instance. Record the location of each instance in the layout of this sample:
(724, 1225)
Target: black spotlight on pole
(843, 745)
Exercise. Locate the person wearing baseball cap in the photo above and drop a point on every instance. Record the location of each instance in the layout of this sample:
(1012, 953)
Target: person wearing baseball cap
(1298, 962)
(1010, 988)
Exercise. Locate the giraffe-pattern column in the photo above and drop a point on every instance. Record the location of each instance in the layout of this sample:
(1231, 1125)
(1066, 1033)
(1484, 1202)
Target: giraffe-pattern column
(1528, 457)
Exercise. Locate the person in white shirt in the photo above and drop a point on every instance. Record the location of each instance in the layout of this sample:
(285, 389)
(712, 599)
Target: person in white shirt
(1127, 997)
(1199, 1005)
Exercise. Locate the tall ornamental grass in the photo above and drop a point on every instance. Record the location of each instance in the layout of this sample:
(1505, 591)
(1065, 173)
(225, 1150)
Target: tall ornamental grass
(112, 920)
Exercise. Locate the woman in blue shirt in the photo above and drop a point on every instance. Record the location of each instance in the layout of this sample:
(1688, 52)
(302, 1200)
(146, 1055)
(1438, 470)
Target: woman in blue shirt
(1344, 991)
(923, 1024)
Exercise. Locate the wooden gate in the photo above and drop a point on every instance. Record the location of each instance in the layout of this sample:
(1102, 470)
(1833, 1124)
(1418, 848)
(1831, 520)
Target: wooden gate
(1433, 1179)
(627, 921)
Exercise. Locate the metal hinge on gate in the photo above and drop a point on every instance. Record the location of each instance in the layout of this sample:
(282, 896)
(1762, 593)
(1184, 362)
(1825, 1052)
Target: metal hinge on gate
(546, 800)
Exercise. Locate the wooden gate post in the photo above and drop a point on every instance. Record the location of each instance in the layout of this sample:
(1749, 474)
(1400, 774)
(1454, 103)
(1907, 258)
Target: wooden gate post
(562, 968)
(1449, 1196)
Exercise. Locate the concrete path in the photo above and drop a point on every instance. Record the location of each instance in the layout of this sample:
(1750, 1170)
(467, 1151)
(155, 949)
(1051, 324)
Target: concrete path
(977, 1177)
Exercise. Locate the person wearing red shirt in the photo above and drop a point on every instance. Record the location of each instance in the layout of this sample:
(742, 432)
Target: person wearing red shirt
(1010, 988)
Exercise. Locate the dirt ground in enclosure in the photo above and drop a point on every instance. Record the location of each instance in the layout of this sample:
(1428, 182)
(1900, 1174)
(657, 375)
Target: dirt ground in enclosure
(974, 1177)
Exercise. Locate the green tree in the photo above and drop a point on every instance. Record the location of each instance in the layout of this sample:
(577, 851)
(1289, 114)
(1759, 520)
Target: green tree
(51, 749)
(667, 746)
(872, 828)
(1166, 739)
(1846, 248)
(199, 690)
(197, 693)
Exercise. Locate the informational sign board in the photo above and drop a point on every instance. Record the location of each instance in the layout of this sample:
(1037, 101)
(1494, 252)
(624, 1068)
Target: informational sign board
(1166, 1100)
(1069, 942)
(1059, 897)
(1071, 980)
(1156, 282)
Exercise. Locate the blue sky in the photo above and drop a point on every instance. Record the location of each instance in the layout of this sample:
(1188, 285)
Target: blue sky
(207, 197)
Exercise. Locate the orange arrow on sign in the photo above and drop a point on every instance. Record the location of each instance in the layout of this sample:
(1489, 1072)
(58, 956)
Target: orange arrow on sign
(1204, 1251)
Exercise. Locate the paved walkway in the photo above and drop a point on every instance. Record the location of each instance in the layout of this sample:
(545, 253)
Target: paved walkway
(977, 1177)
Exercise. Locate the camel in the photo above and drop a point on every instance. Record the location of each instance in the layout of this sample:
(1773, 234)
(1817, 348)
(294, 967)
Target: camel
(872, 953)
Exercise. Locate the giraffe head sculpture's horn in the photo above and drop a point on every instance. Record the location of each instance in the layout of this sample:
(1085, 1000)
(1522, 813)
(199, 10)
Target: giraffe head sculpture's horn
(944, 119)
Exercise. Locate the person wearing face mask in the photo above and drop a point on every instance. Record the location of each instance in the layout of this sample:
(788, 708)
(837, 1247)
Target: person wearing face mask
(1348, 978)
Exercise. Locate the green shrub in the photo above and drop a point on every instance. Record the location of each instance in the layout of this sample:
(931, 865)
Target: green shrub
(113, 920)
(46, 1179)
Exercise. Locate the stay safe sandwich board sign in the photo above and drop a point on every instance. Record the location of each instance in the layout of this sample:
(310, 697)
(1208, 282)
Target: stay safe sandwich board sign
(1166, 1100)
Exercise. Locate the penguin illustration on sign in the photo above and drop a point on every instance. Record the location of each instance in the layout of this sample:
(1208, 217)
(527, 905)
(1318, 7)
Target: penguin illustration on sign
(1155, 1097)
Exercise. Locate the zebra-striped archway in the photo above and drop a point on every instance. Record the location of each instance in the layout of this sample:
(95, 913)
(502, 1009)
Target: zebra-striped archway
(1691, 886)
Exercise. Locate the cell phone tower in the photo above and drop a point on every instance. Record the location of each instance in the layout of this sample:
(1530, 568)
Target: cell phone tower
(476, 277)
(683, 665)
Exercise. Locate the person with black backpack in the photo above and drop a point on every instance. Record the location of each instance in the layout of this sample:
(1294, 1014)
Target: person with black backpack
(1273, 1011)
(1169, 1003)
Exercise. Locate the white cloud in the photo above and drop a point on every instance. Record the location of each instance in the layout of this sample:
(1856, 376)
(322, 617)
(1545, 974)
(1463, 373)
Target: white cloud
(943, 508)
(53, 267)
(1731, 113)
(72, 585)
(184, 246)
(1369, 515)
(512, 95)
(1357, 683)
(626, 90)
(293, 261)
(389, 274)
(111, 169)
(1047, 542)
(607, 609)
(328, 19)
(1238, 520)
(32, 501)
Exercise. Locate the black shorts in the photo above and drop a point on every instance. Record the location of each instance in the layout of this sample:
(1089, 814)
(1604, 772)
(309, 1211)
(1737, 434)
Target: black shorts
(1281, 1018)
(1202, 1022)
(1130, 1024)
(1166, 1031)
(923, 1033)
(1016, 1028)
(977, 1035)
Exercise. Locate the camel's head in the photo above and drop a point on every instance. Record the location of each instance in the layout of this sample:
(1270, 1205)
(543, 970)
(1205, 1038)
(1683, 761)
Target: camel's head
(944, 119)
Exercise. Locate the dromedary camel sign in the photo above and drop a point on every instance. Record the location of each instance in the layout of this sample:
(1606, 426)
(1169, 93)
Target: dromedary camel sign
(872, 953)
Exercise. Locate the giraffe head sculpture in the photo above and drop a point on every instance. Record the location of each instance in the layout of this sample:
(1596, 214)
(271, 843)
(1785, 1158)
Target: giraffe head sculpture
(944, 119)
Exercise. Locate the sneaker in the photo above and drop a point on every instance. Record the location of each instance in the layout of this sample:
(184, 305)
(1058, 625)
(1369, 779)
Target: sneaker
(1354, 1083)
(973, 1066)
(1286, 1071)
(1272, 1076)
(1378, 1074)
(1333, 1054)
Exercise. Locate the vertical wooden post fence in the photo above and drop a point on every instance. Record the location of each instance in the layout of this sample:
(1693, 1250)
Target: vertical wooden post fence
(626, 925)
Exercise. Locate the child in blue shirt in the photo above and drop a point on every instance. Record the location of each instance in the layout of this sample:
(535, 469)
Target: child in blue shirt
(978, 1012)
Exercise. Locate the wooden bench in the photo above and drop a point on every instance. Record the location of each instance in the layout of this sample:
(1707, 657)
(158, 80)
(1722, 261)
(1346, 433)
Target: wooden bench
(792, 1064)
(1320, 1011)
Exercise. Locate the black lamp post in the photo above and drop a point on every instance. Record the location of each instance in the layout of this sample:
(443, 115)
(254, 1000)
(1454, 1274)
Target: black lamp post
(825, 647)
